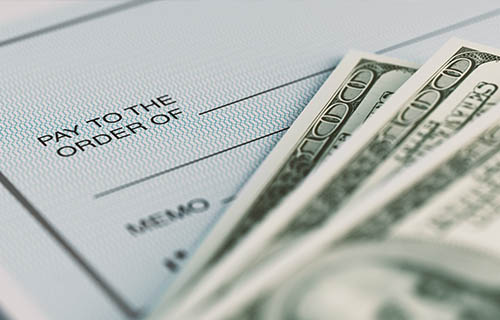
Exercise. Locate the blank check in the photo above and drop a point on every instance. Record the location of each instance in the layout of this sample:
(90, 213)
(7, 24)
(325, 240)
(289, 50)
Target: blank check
(125, 132)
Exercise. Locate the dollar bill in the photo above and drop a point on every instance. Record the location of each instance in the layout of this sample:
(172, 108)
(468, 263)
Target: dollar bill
(442, 92)
(423, 285)
(355, 90)
(451, 195)
(477, 93)
(435, 96)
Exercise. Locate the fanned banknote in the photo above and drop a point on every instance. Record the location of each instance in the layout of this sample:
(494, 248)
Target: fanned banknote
(355, 90)
(454, 87)
(450, 195)
(395, 279)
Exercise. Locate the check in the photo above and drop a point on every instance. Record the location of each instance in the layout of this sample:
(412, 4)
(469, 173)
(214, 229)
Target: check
(125, 132)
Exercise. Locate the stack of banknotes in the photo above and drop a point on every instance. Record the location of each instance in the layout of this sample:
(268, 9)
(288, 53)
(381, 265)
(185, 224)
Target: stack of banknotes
(382, 201)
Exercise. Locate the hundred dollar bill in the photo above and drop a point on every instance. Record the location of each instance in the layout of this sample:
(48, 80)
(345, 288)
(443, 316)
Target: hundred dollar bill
(475, 95)
(451, 195)
(355, 90)
(428, 280)
(458, 70)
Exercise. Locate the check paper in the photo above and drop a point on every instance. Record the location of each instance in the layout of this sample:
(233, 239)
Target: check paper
(124, 136)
